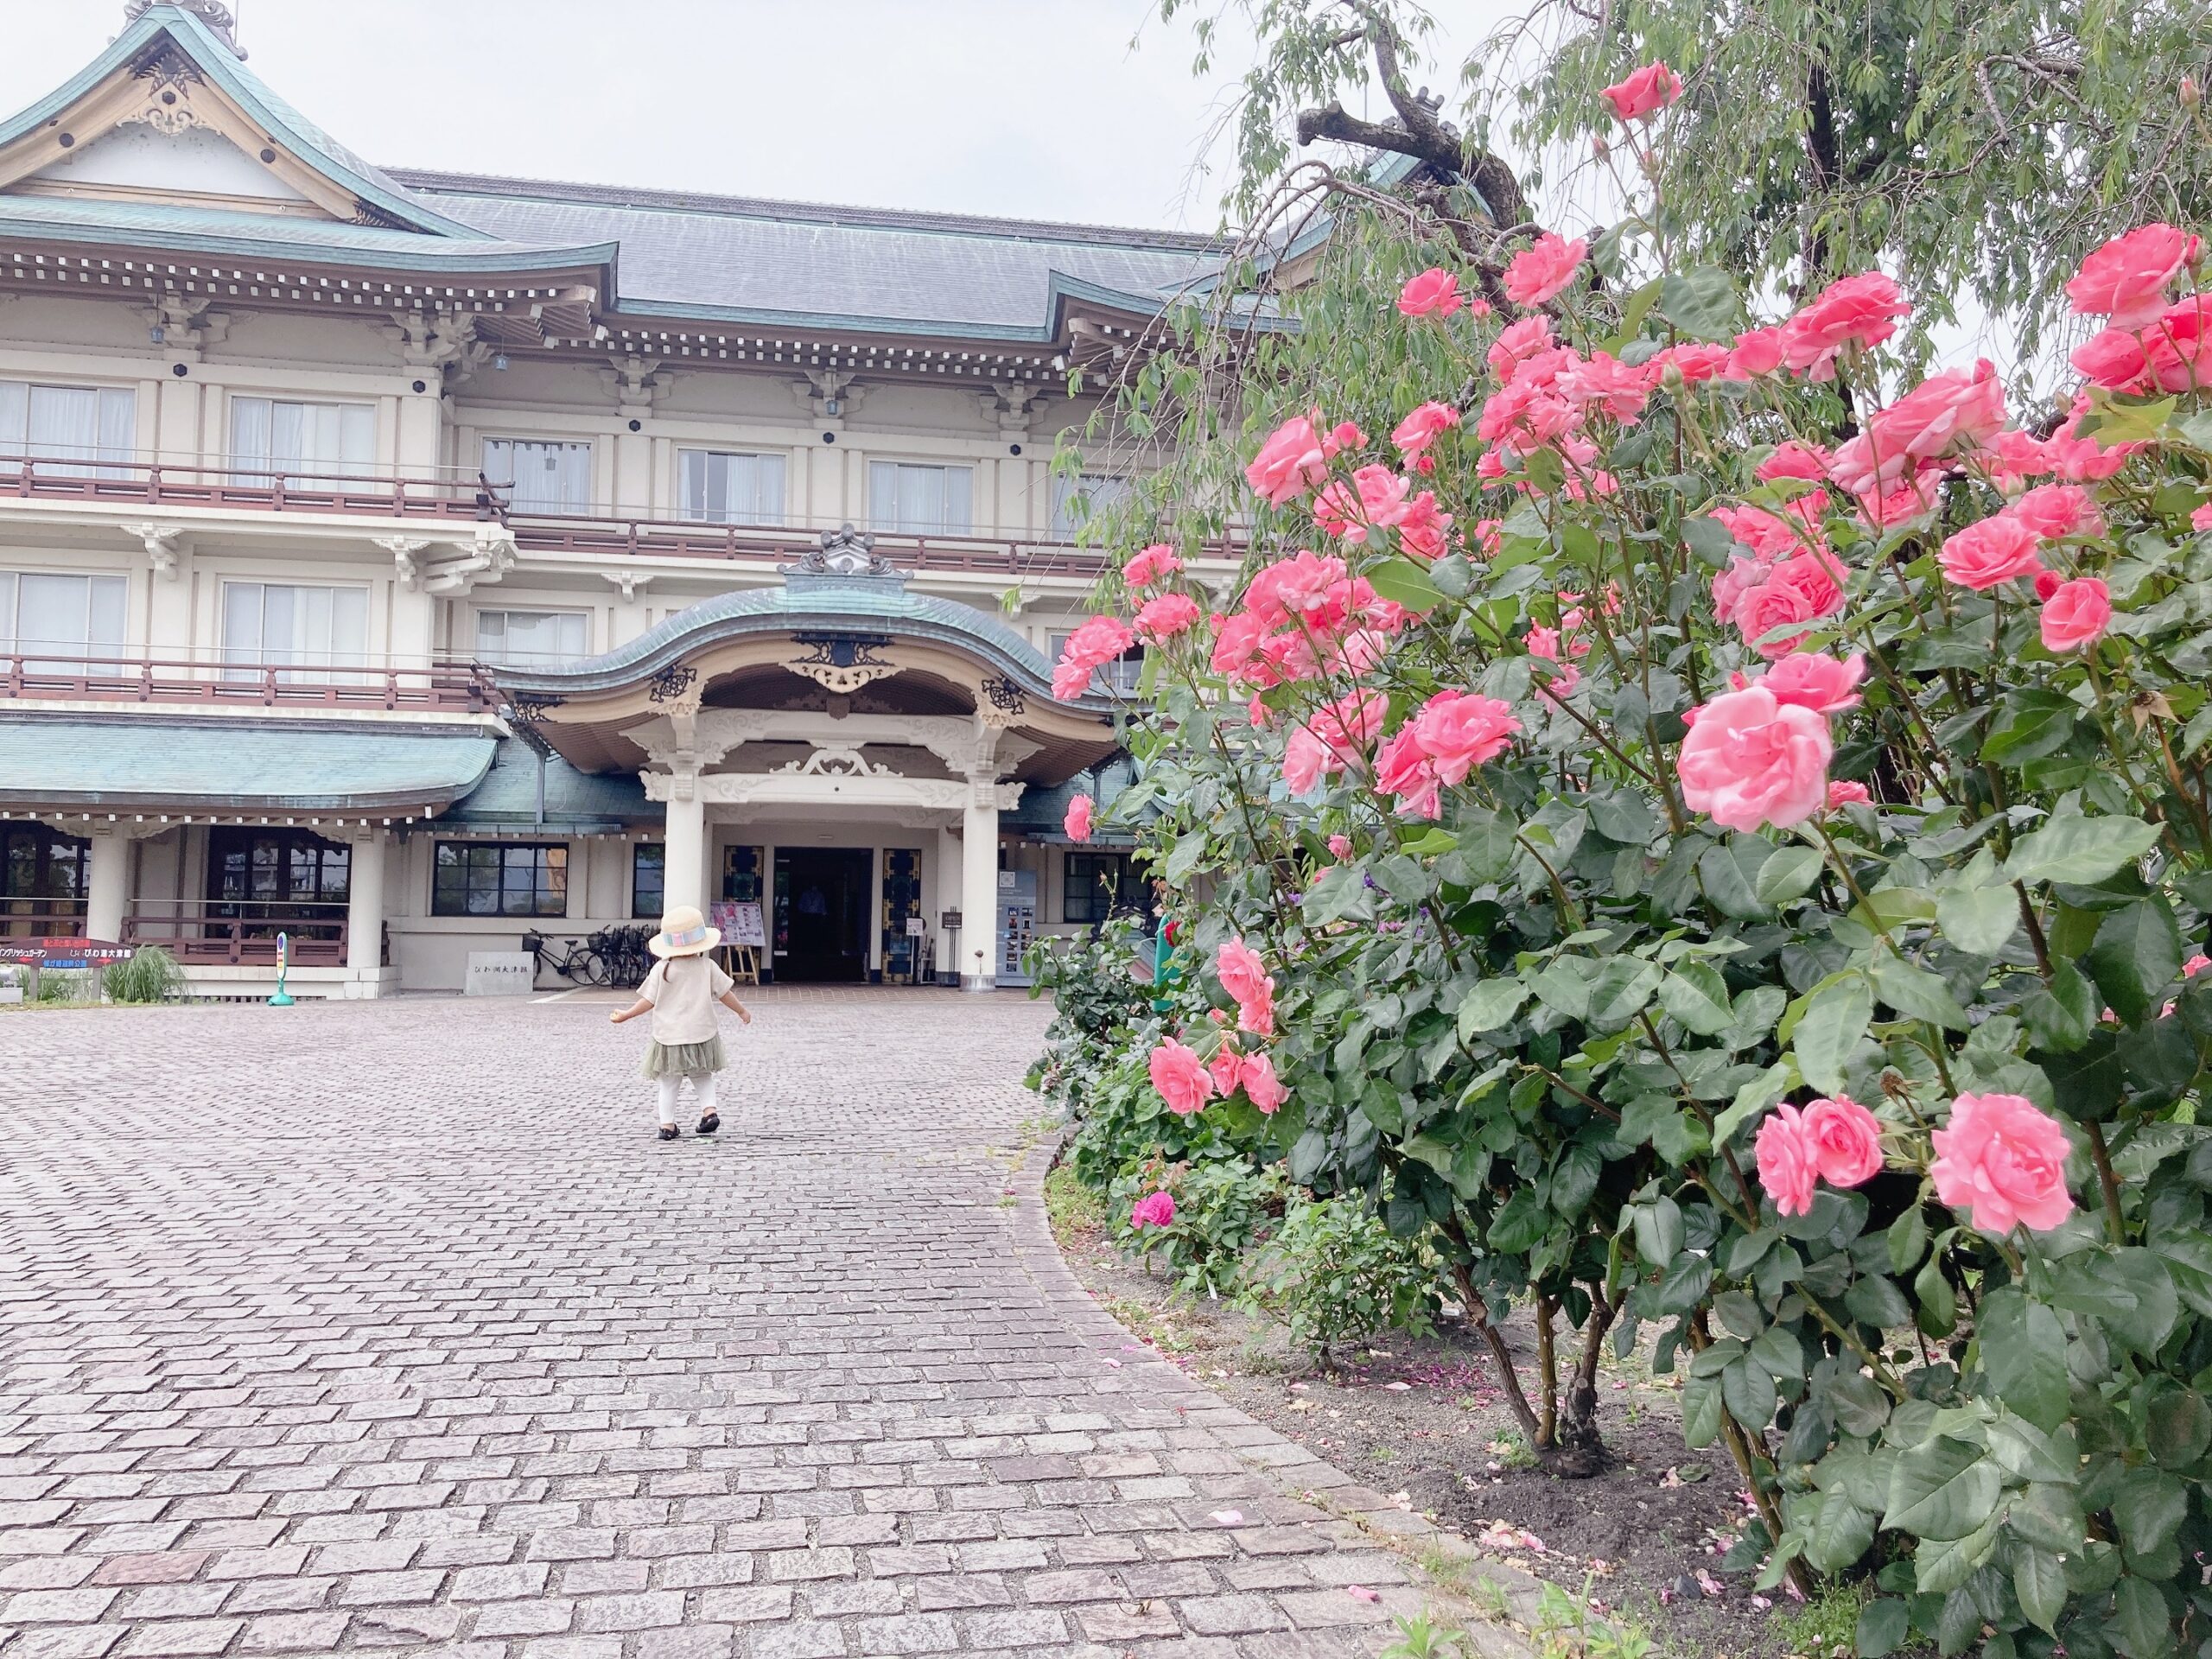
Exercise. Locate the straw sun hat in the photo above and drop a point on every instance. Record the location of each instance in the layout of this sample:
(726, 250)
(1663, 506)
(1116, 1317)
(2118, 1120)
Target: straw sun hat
(684, 932)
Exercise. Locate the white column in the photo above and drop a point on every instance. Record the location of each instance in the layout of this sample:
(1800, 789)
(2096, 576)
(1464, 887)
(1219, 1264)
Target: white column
(364, 906)
(944, 890)
(686, 843)
(107, 890)
(979, 885)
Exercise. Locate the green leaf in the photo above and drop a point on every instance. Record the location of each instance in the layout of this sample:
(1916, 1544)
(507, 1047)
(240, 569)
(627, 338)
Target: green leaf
(2024, 1356)
(1728, 885)
(1877, 1301)
(2137, 954)
(1404, 582)
(1701, 302)
(1700, 1411)
(2031, 722)
(1788, 873)
(1908, 1240)
(2028, 1453)
(2126, 1291)
(1941, 1489)
(1917, 994)
(1883, 1626)
(1943, 1564)
(1747, 1389)
(2149, 1507)
(1623, 816)
(1620, 989)
(2114, 421)
(1831, 1026)
(2040, 1583)
(2082, 850)
(1520, 1224)
(1696, 997)
(1842, 1532)
(1981, 921)
(1564, 985)
(1659, 1231)
(1433, 844)
(1754, 1097)
(2146, 1625)
(2178, 1428)
(1489, 1004)
(2061, 1015)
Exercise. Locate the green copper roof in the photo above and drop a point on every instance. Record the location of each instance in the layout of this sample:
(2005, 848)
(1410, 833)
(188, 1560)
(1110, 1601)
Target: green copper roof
(575, 801)
(124, 762)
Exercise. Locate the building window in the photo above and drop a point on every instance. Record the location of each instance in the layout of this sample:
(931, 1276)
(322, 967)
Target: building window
(40, 613)
(1076, 501)
(267, 624)
(649, 879)
(921, 501)
(473, 878)
(741, 874)
(1100, 885)
(1121, 677)
(271, 436)
(287, 880)
(547, 477)
(68, 424)
(727, 488)
(532, 638)
(43, 877)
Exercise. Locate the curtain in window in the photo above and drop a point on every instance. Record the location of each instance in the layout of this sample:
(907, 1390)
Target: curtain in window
(68, 424)
(39, 613)
(293, 438)
(547, 477)
(532, 639)
(1076, 501)
(273, 624)
(920, 500)
(724, 488)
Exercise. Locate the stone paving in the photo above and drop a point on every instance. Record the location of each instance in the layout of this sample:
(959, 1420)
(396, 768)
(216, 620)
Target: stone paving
(389, 1326)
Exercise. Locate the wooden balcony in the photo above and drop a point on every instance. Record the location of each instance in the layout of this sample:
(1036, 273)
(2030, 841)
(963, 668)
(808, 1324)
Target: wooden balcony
(202, 932)
(442, 688)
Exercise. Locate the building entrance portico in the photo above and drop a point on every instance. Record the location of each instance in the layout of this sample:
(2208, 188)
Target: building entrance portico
(818, 929)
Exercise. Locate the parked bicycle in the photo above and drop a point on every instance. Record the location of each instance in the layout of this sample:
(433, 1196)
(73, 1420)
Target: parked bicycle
(622, 950)
(577, 960)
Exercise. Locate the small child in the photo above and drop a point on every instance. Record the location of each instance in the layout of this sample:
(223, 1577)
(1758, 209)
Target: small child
(680, 993)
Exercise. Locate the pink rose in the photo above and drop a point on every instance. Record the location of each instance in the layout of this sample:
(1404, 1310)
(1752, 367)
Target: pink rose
(1225, 1065)
(1180, 1076)
(1340, 848)
(1428, 422)
(1789, 1164)
(1435, 292)
(2201, 518)
(1860, 310)
(2076, 614)
(1460, 731)
(1262, 1087)
(1757, 353)
(1752, 760)
(1518, 344)
(1846, 1140)
(1077, 822)
(1295, 588)
(1607, 383)
(1292, 461)
(1539, 271)
(1813, 680)
(1646, 91)
(1166, 616)
(1802, 589)
(2127, 278)
(1958, 410)
(1844, 793)
(1156, 1211)
(1156, 563)
(2172, 345)
(1304, 758)
(1422, 530)
(2113, 358)
(1403, 769)
(1088, 649)
(2196, 965)
(1258, 1015)
(2055, 510)
(1242, 971)
(1795, 459)
(1695, 360)
(1381, 500)
(1989, 552)
(2003, 1162)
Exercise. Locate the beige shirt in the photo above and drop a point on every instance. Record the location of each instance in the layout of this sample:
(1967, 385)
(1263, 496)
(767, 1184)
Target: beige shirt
(683, 990)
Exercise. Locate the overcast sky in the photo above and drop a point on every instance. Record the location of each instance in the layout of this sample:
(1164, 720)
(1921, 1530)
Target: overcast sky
(1037, 108)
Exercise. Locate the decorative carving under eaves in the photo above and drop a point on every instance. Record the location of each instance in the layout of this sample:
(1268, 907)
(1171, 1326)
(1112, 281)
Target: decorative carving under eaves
(437, 340)
(835, 760)
(406, 558)
(671, 682)
(163, 544)
(842, 663)
(1012, 403)
(185, 324)
(1003, 702)
(827, 395)
(635, 383)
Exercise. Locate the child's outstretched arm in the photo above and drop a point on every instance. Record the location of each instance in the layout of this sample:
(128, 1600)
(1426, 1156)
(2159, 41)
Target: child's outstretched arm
(728, 999)
(630, 1013)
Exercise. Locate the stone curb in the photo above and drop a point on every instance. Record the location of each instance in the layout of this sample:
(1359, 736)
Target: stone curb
(1292, 1471)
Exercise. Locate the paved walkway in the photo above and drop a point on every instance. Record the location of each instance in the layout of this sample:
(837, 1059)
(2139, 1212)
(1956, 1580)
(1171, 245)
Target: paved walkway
(389, 1326)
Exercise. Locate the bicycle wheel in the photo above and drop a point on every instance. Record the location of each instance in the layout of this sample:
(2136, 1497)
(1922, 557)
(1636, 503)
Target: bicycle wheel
(591, 969)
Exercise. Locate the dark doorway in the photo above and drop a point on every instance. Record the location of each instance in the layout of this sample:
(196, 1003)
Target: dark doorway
(822, 913)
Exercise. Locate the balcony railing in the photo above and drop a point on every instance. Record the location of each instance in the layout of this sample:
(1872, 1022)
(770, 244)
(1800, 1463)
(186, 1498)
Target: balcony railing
(251, 488)
(200, 931)
(45, 675)
(41, 918)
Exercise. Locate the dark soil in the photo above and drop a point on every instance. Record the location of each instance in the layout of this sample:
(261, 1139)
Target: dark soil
(1426, 1421)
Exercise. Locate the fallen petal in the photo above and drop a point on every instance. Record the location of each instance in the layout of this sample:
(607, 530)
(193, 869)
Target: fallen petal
(1228, 1518)
(1113, 1364)
(1363, 1592)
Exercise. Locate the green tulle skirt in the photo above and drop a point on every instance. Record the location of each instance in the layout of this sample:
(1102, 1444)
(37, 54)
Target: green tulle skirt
(684, 1059)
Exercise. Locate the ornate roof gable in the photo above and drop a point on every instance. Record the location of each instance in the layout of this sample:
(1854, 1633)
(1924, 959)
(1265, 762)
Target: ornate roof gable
(169, 115)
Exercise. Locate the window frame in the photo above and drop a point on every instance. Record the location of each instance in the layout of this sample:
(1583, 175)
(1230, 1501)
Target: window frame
(577, 509)
(1132, 892)
(1120, 486)
(640, 911)
(265, 469)
(241, 661)
(529, 659)
(894, 524)
(549, 899)
(106, 459)
(101, 654)
(706, 515)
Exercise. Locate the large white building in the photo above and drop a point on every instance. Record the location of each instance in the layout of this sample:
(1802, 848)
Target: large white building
(407, 561)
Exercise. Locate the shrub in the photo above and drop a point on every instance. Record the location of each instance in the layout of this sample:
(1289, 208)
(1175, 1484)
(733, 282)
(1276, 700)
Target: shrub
(1335, 1274)
(147, 974)
(1223, 1207)
(65, 985)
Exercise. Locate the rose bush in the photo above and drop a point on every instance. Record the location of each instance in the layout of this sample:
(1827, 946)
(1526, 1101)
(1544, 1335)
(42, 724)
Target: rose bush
(1707, 884)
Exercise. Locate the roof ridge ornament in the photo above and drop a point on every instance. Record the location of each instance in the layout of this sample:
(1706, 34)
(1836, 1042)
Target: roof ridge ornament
(843, 551)
(212, 13)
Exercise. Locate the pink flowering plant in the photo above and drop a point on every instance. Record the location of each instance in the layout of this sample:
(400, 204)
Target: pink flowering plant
(1710, 833)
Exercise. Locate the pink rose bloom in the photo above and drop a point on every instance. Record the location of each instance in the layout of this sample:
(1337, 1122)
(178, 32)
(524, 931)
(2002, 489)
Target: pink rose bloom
(1421, 428)
(1605, 382)
(1350, 723)
(1844, 793)
(2127, 278)
(2054, 510)
(1435, 292)
(1646, 91)
(2076, 614)
(1166, 616)
(1156, 1211)
(1695, 360)
(1860, 310)
(1985, 554)
(1292, 461)
(2196, 965)
(1795, 459)
(1422, 530)
(1957, 410)
(1751, 760)
(1088, 649)
(1539, 271)
(1258, 1016)
(1077, 822)
(1519, 344)
(1304, 758)
(1402, 768)
(1181, 1077)
(1459, 731)
(1730, 585)
(1814, 680)
(1789, 1164)
(1381, 500)
(1542, 641)
(1155, 563)
(1225, 1065)
(1758, 353)
(2201, 517)
(1296, 587)
(1340, 848)
(2172, 346)
(2113, 358)
(1802, 589)
(1846, 1140)
(1242, 970)
(2003, 1162)
(1262, 1087)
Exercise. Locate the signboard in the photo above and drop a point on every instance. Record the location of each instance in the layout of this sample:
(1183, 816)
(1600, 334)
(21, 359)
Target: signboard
(949, 922)
(916, 927)
(500, 973)
(741, 922)
(63, 952)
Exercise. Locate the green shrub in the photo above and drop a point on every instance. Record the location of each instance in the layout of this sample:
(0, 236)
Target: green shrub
(1222, 1208)
(1335, 1274)
(149, 975)
(65, 986)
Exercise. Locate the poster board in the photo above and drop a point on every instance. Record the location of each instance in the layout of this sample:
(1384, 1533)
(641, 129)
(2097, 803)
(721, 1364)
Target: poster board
(741, 922)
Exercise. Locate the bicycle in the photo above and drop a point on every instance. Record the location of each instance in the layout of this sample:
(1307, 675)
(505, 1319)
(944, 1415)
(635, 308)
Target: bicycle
(578, 962)
(622, 951)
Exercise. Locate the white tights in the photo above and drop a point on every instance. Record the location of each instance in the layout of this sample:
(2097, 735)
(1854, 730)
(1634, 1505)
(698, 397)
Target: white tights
(703, 1093)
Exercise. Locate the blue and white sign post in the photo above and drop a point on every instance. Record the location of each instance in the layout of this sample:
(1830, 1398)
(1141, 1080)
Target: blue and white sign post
(282, 999)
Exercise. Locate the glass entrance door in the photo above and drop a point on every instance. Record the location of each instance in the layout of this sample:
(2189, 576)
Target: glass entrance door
(821, 914)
